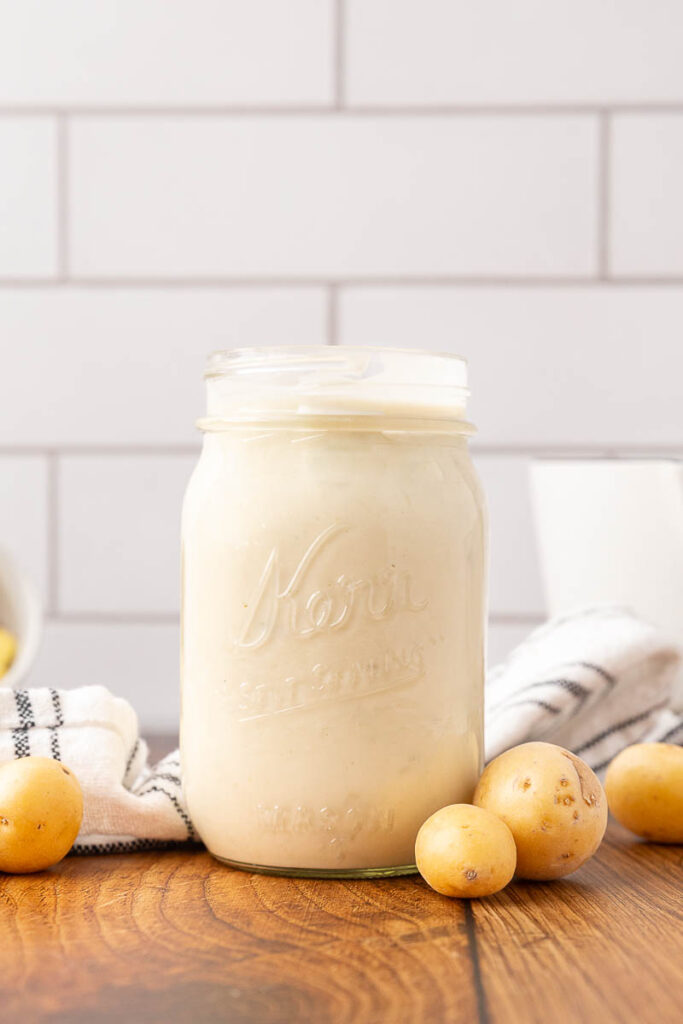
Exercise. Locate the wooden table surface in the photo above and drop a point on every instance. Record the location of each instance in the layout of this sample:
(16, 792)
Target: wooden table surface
(175, 936)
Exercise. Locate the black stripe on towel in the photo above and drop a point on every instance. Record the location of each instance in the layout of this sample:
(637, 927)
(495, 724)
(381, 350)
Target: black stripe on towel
(131, 758)
(603, 764)
(55, 752)
(165, 777)
(672, 732)
(620, 725)
(596, 668)
(127, 846)
(176, 803)
(22, 700)
(20, 735)
(57, 705)
(570, 685)
(54, 729)
(539, 703)
(20, 741)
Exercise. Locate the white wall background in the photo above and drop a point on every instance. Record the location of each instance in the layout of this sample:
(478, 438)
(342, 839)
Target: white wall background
(499, 179)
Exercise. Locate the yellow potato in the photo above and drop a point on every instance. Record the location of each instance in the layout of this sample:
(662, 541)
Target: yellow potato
(465, 851)
(644, 786)
(553, 804)
(41, 807)
(8, 650)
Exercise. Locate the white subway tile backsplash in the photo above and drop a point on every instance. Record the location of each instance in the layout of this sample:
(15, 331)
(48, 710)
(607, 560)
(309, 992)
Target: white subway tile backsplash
(209, 167)
(124, 366)
(24, 515)
(333, 196)
(177, 52)
(514, 574)
(530, 51)
(136, 661)
(28, 197)
(646, 210)
(578, 367)
(120, 533)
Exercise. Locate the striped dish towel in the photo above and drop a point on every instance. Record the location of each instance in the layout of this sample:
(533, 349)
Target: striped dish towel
(594, 682)
(127, 805)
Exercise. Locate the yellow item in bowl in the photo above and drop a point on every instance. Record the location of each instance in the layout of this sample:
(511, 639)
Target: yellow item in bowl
(8, 649)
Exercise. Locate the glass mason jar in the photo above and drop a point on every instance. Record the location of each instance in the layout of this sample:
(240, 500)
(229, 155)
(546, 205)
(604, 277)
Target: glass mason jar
(333, 608)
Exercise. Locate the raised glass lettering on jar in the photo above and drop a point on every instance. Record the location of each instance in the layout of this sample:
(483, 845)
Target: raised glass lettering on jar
(333, 608)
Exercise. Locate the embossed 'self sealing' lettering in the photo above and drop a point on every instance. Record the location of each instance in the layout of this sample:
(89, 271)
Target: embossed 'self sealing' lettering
(303, 614)
(356, 679)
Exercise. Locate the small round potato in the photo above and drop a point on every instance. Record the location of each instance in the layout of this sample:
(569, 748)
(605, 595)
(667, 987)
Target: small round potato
(644, 786)
(465, 851)
(553, 803)
(41, 807)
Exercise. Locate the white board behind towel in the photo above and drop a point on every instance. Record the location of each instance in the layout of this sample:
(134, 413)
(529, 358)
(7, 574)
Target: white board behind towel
(594, 682)
(610, 531)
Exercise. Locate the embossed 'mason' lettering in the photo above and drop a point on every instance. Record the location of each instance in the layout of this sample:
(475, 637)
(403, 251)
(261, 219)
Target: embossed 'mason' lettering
(341, 824)
(286, 602)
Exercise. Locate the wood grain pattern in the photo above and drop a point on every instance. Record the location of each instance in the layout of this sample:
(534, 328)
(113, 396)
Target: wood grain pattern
(177, 937)
(604, 945)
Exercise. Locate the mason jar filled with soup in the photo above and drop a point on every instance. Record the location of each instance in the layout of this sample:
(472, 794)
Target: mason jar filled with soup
(333, 550)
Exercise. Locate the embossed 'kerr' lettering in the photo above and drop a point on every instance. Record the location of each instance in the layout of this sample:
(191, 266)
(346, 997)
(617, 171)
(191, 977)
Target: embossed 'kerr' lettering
(301, 613)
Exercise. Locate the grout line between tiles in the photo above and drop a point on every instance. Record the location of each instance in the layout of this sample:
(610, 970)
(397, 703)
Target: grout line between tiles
(515, 618)
(339, 54)
(577, 451)
(52, 500)
(145, 450)
(62, 188)
(623, 449)
(163, 450)
(114, 618)
(604, 171)
(351, 110)
(161, 282)
(379, 281)
(332, 315)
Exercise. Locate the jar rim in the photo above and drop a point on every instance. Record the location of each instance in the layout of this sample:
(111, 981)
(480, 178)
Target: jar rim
(227, 360)
(334, 380)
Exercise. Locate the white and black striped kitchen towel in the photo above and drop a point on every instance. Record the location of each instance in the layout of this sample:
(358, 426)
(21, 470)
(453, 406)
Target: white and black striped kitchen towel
(594, 682)
(128, 805)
